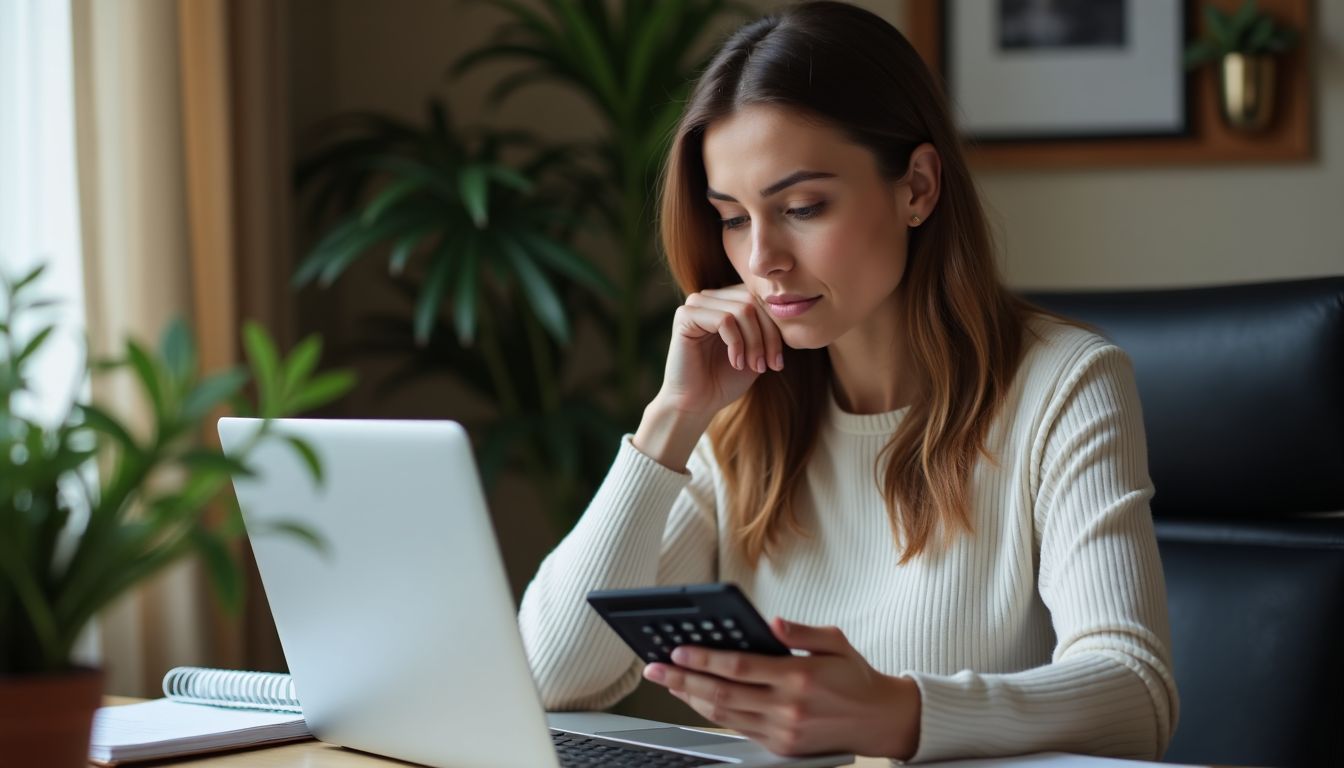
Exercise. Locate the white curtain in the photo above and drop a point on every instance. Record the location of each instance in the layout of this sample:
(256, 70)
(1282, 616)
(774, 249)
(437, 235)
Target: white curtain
(39, 209)
(39, 214)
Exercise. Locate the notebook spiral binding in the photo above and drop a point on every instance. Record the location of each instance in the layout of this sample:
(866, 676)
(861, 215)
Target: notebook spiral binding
(236, 689)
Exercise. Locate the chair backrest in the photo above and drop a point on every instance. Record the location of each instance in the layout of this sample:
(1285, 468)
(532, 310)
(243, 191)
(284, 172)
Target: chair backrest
(1243, 397)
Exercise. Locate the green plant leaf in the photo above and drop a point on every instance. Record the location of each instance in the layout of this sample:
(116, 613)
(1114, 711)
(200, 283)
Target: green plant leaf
(1200, 52)
(567, 262)
(298, 530)
(389, 197)
(265, 366)
(309, 456)
(1261, 32)
(211, 461)
(542, 299)
(473, 186)
(301, 363)
(436, 285)
(178, 350)
(225, 575)
(34, 344)
(322, 390)
(213, 391)
(510, 178)
(147, 371)
(401, 253)
(1220, 26)
(26, 280)
(98, 419)
(465, 293)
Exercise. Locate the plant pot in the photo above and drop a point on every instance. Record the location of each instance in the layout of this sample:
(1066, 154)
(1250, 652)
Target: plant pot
(45, 719)
(1246, 91)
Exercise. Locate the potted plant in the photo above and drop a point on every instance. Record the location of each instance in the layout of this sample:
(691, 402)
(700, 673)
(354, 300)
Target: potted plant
(75, 536)
(487, 239)
(634, 61)
(1245, 44)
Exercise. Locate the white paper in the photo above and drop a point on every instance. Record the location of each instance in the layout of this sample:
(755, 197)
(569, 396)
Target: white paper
(165, 727)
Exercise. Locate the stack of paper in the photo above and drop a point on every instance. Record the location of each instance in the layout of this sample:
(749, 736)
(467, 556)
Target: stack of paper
(164, 728)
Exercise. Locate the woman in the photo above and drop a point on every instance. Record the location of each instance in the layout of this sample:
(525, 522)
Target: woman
(943, 491)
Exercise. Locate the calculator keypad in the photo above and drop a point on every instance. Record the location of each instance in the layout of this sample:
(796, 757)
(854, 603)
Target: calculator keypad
(712, 632)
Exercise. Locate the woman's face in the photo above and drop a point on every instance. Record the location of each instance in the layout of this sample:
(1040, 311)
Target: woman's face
(813, 230)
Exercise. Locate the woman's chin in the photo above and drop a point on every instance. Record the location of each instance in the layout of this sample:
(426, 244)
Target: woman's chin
(803, 338)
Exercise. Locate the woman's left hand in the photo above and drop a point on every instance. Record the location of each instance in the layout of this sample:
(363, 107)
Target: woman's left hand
(829, 701)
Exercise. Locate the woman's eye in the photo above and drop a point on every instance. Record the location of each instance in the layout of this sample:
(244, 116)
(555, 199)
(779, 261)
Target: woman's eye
(806, 212)
(734, 222)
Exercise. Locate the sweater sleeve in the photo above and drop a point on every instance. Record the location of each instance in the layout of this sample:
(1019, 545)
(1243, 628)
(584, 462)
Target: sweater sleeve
(647, 525)
(1109, 688)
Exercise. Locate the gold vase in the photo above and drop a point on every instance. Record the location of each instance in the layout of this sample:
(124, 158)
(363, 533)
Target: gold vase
(1246, 91)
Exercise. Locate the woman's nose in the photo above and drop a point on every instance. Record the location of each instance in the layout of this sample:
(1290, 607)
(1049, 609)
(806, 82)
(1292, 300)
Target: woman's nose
(768, 252)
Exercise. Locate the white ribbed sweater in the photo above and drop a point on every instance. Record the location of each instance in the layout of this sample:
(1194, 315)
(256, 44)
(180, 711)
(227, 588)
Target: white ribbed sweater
(1045, 629)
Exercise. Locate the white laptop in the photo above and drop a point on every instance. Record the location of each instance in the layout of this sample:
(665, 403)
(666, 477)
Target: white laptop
(402, 638)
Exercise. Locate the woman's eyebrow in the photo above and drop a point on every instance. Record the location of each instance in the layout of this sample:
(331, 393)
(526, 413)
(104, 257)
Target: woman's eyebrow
(778, 186)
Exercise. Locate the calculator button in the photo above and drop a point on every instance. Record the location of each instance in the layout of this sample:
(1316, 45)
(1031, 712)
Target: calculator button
(676, 639)
(744, 644)
(696, 637)
(668, 628)
(647, 629)
(716, 636)
(707, 625)
(657, 639)
(728, 623)
(652, 655)
(688, 626)
(736, 634)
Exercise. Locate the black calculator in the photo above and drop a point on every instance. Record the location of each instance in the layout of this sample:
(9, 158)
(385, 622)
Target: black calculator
(654, 620)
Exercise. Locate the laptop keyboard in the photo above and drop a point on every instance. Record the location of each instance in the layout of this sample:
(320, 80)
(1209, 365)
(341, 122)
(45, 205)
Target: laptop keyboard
(577, 751)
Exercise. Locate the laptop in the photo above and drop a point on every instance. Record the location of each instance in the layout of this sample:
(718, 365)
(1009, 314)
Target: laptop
(402, 635)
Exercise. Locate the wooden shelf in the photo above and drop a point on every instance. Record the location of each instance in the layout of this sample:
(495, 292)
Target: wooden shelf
(1289, 139)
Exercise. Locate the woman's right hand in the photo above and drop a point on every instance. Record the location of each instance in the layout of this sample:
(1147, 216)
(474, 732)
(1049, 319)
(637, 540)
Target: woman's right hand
(721, 341)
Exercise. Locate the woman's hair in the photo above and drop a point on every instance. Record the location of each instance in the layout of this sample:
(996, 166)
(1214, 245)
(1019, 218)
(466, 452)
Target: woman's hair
(850, 69)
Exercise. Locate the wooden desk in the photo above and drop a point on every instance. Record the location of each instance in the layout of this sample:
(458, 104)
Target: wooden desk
(316, 754)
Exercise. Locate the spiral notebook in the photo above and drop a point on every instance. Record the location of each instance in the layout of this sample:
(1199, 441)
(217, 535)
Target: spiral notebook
(205, 710)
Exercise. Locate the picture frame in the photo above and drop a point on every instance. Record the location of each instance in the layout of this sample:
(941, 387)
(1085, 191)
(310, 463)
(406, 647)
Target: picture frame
(1022, 70)
(1291, 138)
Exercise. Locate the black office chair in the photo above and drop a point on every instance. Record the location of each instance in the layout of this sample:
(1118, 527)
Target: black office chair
(1243, 398)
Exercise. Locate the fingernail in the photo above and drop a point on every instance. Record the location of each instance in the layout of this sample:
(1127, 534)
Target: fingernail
(655, 673)
(680, 655)
(759, 365)
(741, 362)
(779, 361)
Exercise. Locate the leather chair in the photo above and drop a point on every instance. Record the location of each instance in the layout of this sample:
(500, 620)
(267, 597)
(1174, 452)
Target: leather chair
(1243, 398)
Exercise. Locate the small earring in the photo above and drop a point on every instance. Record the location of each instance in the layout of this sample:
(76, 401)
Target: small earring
(915, 220)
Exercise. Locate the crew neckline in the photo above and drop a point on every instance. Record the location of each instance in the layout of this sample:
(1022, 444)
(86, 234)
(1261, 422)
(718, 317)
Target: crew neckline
(863, 423)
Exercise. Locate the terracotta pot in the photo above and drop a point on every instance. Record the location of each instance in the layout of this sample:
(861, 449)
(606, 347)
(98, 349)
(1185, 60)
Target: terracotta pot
(45, 719)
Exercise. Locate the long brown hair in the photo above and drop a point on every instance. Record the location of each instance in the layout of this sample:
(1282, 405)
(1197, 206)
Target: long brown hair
(851, 69)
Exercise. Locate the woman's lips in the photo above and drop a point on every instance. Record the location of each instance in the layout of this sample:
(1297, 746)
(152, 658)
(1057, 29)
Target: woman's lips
(791, 308)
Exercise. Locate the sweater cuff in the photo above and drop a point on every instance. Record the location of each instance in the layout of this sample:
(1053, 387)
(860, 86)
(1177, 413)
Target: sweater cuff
(944, 717)
(641, 480)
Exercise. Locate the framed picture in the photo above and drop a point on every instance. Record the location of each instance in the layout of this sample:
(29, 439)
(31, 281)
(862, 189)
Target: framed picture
(1027, 70)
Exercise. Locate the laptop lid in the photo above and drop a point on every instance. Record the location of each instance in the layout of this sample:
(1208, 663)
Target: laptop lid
(403, 638)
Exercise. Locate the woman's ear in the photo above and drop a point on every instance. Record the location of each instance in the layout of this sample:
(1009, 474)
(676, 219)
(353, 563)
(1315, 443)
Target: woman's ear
(923, 182)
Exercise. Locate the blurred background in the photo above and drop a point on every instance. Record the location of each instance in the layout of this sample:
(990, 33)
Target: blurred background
(458, 197)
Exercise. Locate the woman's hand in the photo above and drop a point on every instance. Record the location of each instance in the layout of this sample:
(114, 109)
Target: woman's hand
(721, 341)
(829, 701)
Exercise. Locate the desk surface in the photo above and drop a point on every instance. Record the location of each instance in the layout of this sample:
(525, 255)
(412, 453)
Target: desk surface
(316, 754)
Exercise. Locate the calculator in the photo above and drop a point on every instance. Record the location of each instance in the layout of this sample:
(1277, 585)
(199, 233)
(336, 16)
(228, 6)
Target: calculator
(654, 620)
